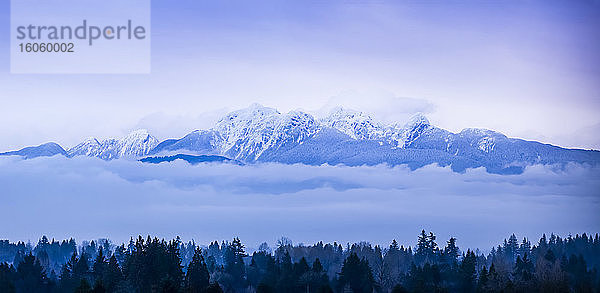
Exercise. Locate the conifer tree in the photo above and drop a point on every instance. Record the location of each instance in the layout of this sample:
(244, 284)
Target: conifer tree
(234, 263)
(482, 282)
(30, 276)
(7, 276)
(99, 266)
(197, 278)
(112, 274)
(356, 274)
(467, 272)
(451, 251)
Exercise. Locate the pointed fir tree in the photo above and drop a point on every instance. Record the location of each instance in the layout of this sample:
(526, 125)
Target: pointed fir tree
(99, 266)
(112, 274)
(197, 278)
(30, 276)
(482, 282)
(451, 251)
(467, 272)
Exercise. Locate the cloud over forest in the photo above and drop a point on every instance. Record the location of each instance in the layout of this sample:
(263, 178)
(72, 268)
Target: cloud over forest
(90, 198)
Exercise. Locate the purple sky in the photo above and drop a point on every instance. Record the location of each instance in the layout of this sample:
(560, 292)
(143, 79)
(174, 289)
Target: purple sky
(529, 69)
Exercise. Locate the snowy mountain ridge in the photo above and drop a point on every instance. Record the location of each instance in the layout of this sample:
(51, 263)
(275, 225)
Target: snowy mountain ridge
(361, 126)
(248, 133)
(344, 136)
(136, 144)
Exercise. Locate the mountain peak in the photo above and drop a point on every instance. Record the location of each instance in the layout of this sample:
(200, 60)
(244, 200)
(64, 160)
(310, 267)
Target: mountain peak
(248, 132)
(339, 112)
(137, 143)
(417, 120)
(257, 108)
(138, 133)
(246, 115)
(356, 124)
(43, 150)
(91, 140)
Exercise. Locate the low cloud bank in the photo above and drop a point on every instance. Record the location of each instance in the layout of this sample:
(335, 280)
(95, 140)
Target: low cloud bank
(89, 198)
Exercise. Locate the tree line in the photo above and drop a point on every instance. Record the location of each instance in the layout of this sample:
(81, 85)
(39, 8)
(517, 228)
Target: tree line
(552, 264)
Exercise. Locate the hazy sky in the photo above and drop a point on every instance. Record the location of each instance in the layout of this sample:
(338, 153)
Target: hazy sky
(529, 69)
(89, 198)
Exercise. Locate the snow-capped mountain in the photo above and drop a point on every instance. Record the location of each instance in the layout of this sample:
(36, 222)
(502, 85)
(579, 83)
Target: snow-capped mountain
(90, 147)
(355, 124)
(138, 143)
(44, 150)
(246, 134)
(198, 141)
(351, 137)
(360, 126)
(412, 130)
(262, 134)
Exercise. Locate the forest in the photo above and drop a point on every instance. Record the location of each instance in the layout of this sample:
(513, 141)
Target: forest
(147, 264)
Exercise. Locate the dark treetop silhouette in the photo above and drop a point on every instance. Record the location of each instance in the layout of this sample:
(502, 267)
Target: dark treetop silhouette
(553, 264)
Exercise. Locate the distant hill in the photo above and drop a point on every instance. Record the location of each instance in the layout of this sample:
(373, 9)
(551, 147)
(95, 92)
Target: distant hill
(44, 150)
(190, 159)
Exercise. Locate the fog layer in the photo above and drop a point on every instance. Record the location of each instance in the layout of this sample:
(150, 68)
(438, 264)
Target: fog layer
(89, 198)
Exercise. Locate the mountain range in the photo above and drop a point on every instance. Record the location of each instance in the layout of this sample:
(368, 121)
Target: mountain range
(348, 137)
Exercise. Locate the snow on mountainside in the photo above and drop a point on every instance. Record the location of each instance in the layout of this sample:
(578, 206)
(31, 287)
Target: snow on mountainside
(361, 126)
(348, 137)
(484, 139)
(137, 143)
(249, 132)
(351, 137)
(89, 147)
(357, 125)
(198, 141)
(44, 150)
